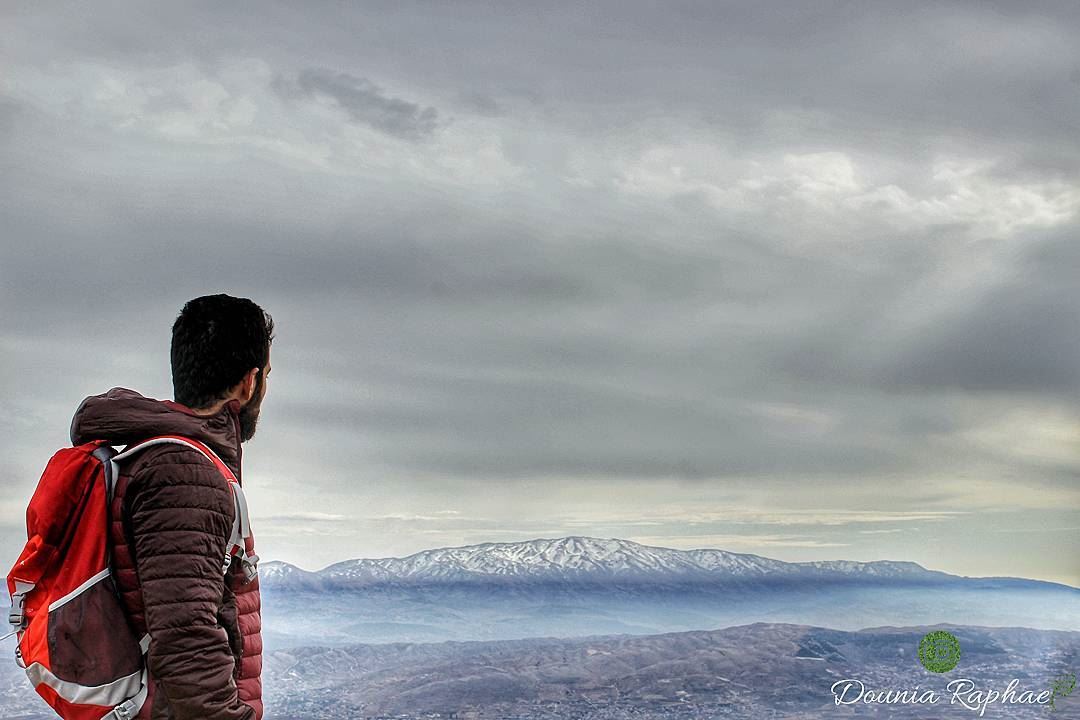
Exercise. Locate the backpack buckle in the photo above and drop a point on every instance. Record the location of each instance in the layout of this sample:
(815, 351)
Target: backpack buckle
(16, 616)
(249, 563)
(251, 567)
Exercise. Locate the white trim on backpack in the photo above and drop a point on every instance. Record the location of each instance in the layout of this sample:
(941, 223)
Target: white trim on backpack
(113, 693)
(79, 590)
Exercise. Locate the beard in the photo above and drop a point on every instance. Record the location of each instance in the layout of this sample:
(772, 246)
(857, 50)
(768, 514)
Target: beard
(249, 413)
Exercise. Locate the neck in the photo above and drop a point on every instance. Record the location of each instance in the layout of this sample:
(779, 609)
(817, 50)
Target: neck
(215, 408)
(210, 410)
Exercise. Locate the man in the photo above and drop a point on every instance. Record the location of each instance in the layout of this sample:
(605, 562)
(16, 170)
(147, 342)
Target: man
(172, 513)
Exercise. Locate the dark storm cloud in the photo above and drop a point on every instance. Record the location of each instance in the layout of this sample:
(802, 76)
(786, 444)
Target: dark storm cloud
(1015, 334)
(523, 427)
(364, 102)
(1017, 338)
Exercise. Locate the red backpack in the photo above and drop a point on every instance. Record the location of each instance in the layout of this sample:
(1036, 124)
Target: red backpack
(75, 642)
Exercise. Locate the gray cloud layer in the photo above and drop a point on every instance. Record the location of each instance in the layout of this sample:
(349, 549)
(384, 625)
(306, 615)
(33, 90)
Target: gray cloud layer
(622, 246)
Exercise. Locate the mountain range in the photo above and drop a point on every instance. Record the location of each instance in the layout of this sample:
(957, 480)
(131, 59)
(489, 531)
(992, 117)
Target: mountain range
(576, 586)
(580, 559)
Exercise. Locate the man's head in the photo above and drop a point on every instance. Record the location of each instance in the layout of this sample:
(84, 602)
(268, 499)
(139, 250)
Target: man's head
(221, 351)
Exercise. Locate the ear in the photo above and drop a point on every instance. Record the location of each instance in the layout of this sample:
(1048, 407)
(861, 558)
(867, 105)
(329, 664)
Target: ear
(249, 384)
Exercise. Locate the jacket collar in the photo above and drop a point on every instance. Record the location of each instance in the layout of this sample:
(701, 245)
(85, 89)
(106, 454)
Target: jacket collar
(122, 417)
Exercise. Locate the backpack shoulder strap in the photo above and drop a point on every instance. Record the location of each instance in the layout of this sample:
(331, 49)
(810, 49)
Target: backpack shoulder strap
(179, 440)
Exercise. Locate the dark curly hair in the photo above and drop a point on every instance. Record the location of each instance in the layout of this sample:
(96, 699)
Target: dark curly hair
(216, 340)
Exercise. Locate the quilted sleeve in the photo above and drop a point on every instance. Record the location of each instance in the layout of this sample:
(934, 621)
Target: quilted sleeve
(181, 513)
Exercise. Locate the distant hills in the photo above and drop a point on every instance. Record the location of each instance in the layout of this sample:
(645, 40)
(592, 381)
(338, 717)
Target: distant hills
(751, 671)
(758, 670)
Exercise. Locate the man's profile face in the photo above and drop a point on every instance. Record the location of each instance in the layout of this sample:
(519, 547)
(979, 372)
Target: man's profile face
(249, 413)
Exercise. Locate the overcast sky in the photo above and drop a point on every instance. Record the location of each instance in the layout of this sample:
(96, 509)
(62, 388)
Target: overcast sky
(794, 279)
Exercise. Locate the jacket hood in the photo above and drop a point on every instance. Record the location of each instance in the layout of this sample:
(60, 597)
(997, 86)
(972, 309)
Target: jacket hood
(122, 417)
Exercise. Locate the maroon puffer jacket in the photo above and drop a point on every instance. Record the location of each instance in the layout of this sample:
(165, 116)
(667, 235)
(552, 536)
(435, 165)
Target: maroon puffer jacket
(169, 523)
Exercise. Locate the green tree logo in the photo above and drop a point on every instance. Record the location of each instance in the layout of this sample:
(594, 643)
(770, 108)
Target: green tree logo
(1062, 686)
(939, 651)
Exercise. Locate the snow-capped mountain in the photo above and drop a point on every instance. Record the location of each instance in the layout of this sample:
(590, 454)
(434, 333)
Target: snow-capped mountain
(579, 586)
(577, 559)
(275, 572)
